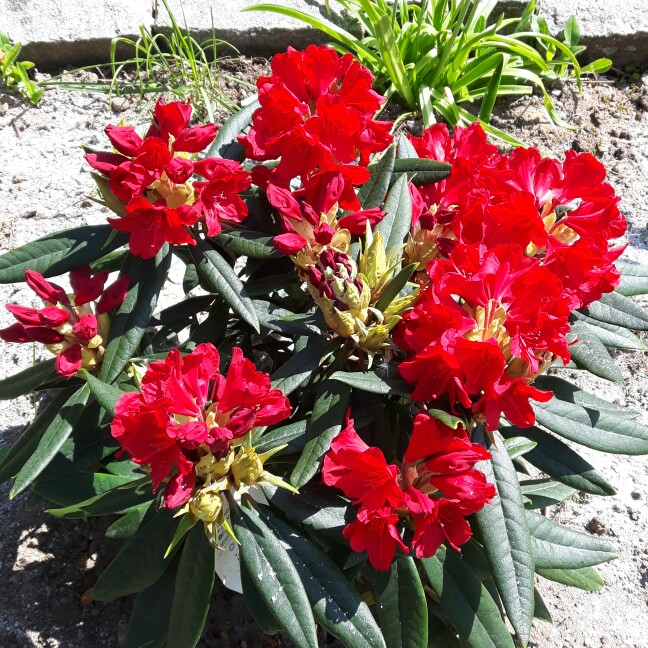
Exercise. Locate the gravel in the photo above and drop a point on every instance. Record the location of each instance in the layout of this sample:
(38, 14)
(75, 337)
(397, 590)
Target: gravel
(48, 565)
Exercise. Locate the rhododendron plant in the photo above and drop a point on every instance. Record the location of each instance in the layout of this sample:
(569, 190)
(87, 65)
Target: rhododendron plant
(356, 409)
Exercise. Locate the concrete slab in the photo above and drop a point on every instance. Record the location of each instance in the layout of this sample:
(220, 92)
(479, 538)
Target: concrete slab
(616, 29)
(55, 33)
(254, 32)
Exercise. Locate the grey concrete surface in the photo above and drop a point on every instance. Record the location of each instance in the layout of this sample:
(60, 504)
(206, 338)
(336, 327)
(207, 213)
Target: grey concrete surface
(74, 32)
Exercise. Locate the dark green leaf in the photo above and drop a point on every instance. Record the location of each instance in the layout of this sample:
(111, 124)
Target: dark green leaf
(128, 324)
(105, 394)
(545, 492)
(193, 586)
(611, 335)
(405, 148)
(182, 311)
(402, 608)
(634, 279)
(317, 507)
(590, 353)
(280, 435)
(585, 578)
(302, 366)
(221, 278)
(332, 400)
(148, 626)
(129, 523)
(370, 381)
(140, 563)
(275, 577)
(336, 605)
(27, 380)
(599, 430)
(466, 602)
(423, 170)
(248, 243)
(398, 207)
(617, 309)
(540, 610)
(226, 145)
(559, 547)
(283, 321)
(516, 446)
(572, 31)
(17, 455)
(55, 254)
(256, 605)
(372, 193)
(53, 438)
(507, 543)
(77, 486)
(559, 461)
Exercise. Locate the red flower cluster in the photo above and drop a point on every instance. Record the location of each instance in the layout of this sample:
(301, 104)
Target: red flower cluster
(434, 490)
(512, 244)
(316, 118)
(68, 327)
(187, 409)
(151, 175)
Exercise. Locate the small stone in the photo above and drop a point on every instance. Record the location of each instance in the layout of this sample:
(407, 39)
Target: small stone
(633, 515)
(636, 495)
(595, 118)
(4, 109)
(119, 104)
(596, 527)
(18, 178)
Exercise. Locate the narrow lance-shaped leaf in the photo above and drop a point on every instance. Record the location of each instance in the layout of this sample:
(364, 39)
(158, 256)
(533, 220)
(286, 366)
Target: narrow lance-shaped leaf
(53, 438)
(225, 145)
(58, 253)
(402, 608)
(28, 379)
(220, 276)
(398, 207)
(466, 602)
(370, 381)
(193, 586)
(589, 353)
(326, 421)
(507, 542)
(255, 245)
(275, 577)
(373, 192)
(300, 367)
(128, 324)
(105, 394)
(585, 578)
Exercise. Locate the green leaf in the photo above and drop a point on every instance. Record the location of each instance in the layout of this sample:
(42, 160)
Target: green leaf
(256, 605)
(395, 285)
(424, 171)
(405, 150)
(558, 460)
(617, 309)
(540, 610)
(19, 453)
(78, 485)
(369, 381)
(58, 253)
(395, 226)
(220, 277)
(372, 193)
(402, 608)
(105, 394)
(27, 380)
(280, 436)
(275, 576)
(226, 145)
(545, 492)
(507, 543)
(589, 353)
(129, 523)
(248, 243)
(634, 279)
(447, 419)
(585, 578)
(465, 601)
(492, 89)
(317, 507)
(284, 321)
(53, 438)
(187, 522)
(128, 324)
(119, 500)
(193, 586)
(302, 366)
(332, 400)
(516, 446)
(565, 391)
(611, 335)
(336, 605)
(140, 563)
(148, 626)
(572, 31)
(559, 547)
(181, 311)
(599, 430)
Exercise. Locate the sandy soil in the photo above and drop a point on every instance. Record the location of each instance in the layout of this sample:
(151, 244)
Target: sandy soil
(46, 565)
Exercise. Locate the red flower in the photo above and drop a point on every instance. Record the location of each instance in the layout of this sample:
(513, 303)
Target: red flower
(185, 403)
(150, 226)
(68, 328)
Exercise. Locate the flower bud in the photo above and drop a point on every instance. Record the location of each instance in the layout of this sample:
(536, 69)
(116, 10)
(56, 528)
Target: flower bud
(247, 468)
(206, 505)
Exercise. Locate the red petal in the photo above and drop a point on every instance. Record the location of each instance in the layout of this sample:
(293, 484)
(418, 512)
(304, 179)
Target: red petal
(289, 243)
(125, 139)
(69, 362)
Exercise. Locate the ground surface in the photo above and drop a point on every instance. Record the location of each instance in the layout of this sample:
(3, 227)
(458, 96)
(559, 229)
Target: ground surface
(46, 565)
